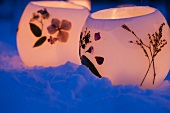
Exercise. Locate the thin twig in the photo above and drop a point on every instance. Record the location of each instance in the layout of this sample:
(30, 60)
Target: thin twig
(146, 73)
(154, 71)
(155, 45)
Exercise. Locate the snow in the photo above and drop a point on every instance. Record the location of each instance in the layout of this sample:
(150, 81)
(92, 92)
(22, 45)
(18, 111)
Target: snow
(71, 88)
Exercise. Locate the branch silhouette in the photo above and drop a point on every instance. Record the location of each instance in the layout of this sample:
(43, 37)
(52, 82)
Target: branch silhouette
(156, 43)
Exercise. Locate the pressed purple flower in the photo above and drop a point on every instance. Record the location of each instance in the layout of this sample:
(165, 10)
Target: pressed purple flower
(54, 26)
(97, 36)
(65, 25)
(99, 60)
(52, 40)
(62, 36)
(44, 13)
(62, 28)
(90, 50)
(35, 16)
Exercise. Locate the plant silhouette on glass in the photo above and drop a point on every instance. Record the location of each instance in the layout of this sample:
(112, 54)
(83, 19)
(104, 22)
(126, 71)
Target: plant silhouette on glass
(85, 39)
(156, 43)
(57, 27)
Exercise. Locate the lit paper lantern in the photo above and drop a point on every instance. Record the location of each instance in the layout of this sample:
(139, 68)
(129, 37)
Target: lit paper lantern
(48, 33)
(129, 45)
(86, 3)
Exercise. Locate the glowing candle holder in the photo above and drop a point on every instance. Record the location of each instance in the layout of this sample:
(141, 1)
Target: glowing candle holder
(86, 3)
(129, 45)
(48, 33)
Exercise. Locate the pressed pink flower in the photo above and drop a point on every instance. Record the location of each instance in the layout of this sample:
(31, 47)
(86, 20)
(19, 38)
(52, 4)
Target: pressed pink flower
(97, 36)
(99, 60)
(62, 28)
(52, 40)
(44, 13)
(90, 50)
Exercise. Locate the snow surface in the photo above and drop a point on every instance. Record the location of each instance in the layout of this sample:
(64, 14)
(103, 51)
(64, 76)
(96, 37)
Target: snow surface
(71, 88)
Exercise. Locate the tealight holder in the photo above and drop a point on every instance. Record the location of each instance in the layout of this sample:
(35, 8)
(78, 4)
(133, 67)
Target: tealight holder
(86, 3)
(128, 45)
(48, 33)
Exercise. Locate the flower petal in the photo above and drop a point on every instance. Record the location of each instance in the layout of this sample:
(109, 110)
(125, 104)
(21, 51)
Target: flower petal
(97, 36)
(65, 25)
(62, 36)
(99, 60)
(90, 50)
(44, 13)
(51, 29)
(35, 16)
(55, 22)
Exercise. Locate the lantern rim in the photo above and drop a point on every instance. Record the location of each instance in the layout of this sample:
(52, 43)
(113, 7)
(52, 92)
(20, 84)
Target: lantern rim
(57, 4)
(122, 13)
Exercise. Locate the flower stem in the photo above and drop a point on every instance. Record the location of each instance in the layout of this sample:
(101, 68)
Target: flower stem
(154, 71)
(146, 72)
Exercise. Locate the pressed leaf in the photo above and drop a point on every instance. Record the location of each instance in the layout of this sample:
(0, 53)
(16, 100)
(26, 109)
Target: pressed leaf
(85, 61)
(99, 60)
(66, 25)
(35, 30)
(97, 36)
(40, 41)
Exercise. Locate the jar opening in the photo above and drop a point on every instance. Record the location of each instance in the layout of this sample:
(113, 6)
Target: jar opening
(123, 12)
(58, 4)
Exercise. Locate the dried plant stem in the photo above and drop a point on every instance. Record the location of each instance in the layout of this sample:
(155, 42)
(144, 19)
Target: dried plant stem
(154, 71)
(146, 72)
(156, 43)
(80, 50)
(42, 25)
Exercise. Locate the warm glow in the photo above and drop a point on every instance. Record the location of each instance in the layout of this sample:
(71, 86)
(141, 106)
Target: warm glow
(58, 4)
(48, 33)
(123, 12)
(86, 3)
(113, 47)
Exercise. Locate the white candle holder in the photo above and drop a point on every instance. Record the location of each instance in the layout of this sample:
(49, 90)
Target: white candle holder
(48, 33)
(128, 45)
(86, 3)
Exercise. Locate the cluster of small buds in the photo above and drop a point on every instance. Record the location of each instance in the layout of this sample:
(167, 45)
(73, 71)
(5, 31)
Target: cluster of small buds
(52, 40)
(40, 14)
(84, 40)
(156, 41)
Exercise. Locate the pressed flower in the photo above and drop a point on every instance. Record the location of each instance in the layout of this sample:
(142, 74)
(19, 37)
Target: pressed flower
(54, 26)
(90, 50)
(35, 16)
(84, 39)
(99, 60)
(52, 40)
(97, 36)
(62, 28)
(44, 13)
(156, 43)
